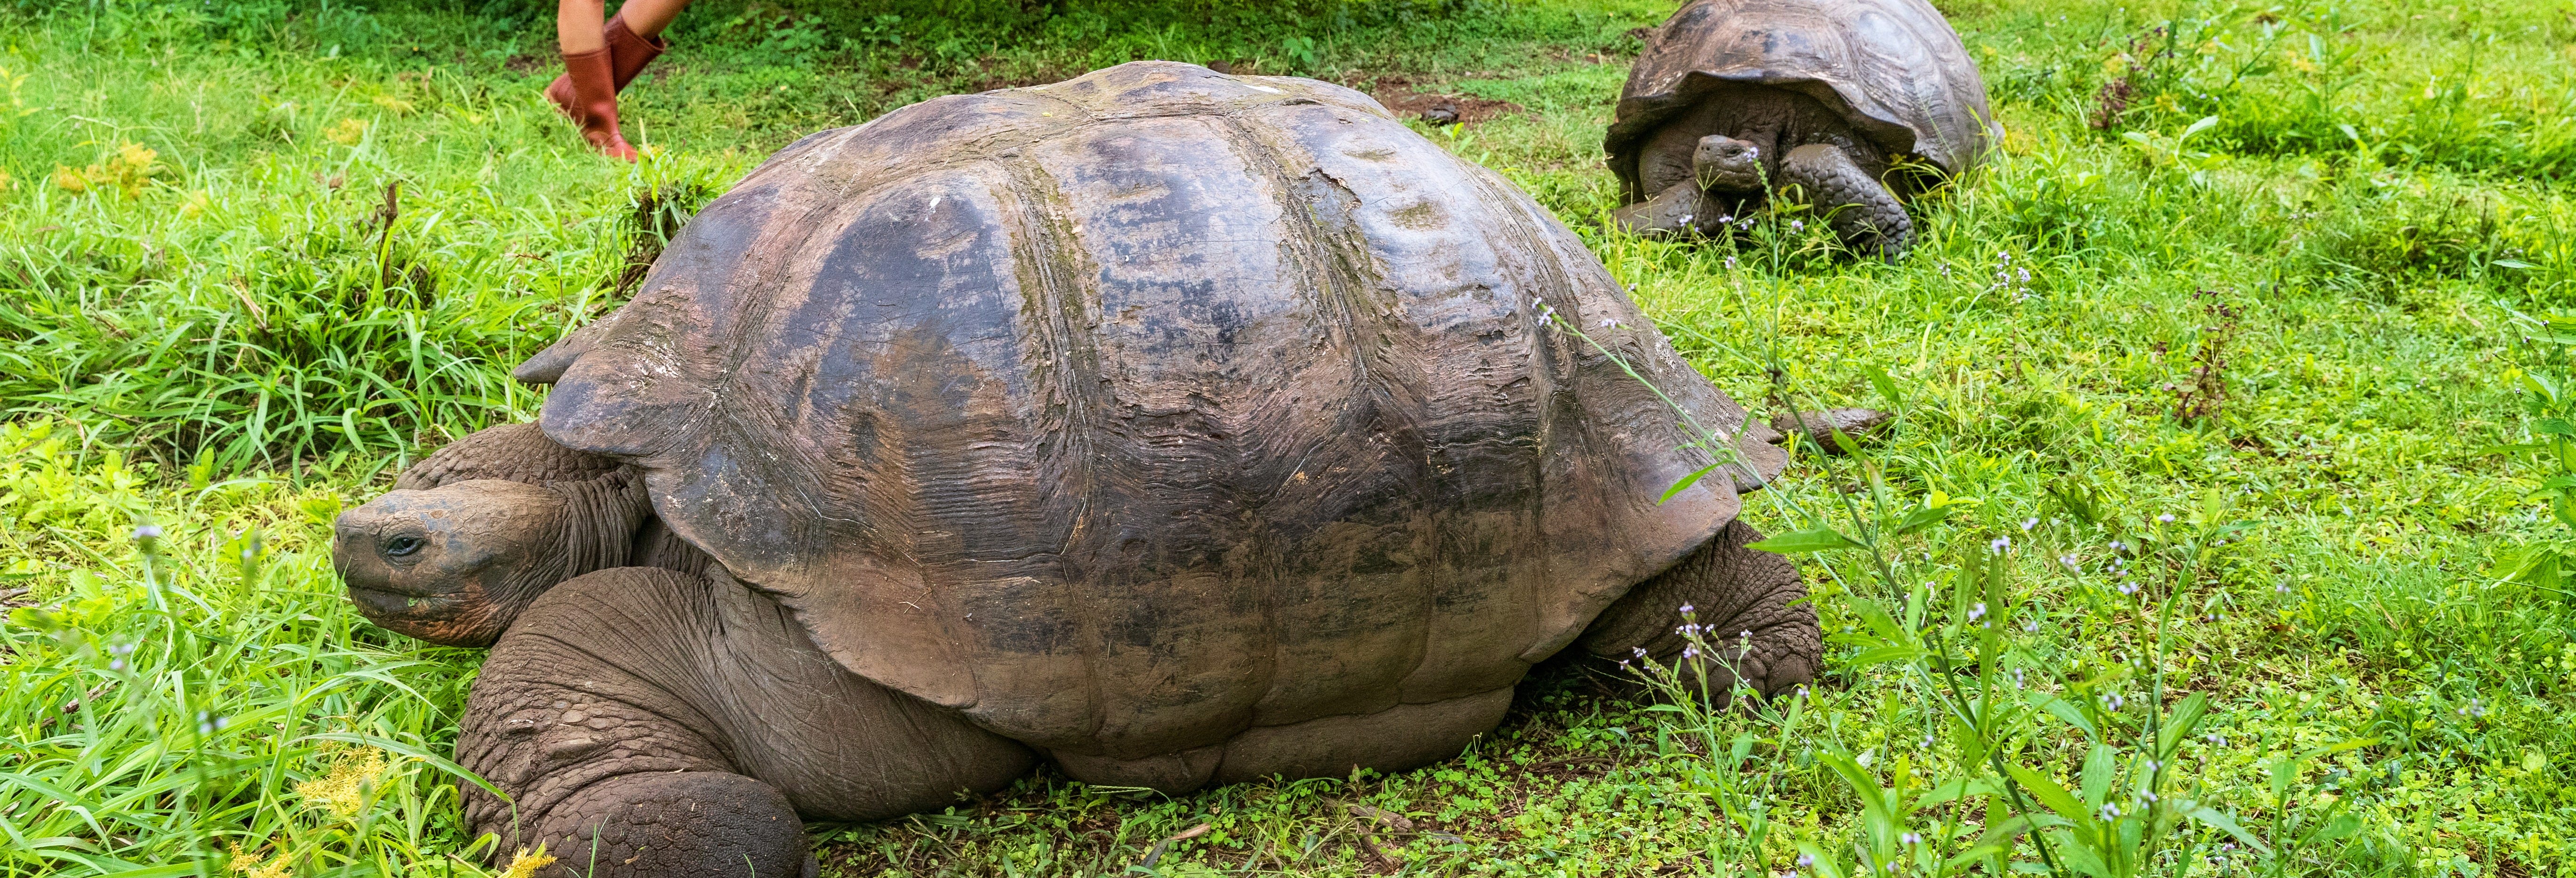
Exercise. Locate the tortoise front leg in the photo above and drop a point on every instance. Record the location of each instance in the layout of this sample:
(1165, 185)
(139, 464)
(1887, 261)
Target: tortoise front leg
(608, 768)
(654, 724)
(1751, 607)
(1862, 212)
(1676, 210)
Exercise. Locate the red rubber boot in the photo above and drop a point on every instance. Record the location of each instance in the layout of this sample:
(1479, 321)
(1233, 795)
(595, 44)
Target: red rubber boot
(594, 104)
(627, 55)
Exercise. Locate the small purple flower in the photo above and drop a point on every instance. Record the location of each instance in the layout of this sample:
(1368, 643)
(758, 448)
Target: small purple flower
(2166, 518)
(1806, 861)
(2028, 523)
(1730, 263)
(1641, 651)
(1977, 612)
(1688, 609)
(1690, 652)
(1797, 226)
(2030, 623)
(2000, 544)
(2025, 275)
(148, 532)
(2067, 559)
(2110, 811)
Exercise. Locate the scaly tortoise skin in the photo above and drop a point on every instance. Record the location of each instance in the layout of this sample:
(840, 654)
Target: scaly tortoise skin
(1176, 427)
(1823, 95)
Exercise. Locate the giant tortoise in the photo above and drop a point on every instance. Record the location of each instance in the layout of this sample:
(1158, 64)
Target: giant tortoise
(1175, 427)
(1733, 99)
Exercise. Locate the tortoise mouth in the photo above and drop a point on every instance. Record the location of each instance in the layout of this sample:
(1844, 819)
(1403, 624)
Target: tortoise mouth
(1728, 179)
(386, 603)
(448, 619)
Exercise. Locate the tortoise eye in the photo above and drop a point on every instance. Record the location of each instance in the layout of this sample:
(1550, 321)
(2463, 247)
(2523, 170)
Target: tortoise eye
(402, 546)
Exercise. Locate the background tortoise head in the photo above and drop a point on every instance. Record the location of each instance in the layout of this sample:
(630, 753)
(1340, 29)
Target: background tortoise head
(1726, 164)
(475, 532)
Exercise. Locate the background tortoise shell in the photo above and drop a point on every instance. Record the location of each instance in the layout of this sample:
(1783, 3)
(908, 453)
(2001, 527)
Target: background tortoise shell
(1894, 68)
(1129, 412)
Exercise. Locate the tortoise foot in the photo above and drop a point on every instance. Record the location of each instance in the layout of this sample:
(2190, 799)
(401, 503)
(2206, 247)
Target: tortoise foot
(675, 824)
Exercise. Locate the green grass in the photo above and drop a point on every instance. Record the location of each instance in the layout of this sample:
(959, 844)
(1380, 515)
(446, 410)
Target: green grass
(2369, 544)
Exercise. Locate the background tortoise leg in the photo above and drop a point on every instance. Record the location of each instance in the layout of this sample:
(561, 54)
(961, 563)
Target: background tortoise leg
(1862, 212)
(1674, 211)
(1751, 605)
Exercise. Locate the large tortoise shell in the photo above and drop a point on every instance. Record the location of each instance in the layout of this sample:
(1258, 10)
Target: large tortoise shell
(1893, 68)
(1126, 413)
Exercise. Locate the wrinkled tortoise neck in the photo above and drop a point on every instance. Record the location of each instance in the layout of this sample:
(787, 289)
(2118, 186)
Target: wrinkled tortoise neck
(601, 519)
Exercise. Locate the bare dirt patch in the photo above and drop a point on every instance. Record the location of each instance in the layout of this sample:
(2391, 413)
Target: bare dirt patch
(1408, 100)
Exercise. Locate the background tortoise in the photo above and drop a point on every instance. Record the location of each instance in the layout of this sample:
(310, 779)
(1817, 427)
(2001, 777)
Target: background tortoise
(1825, 95)
(1178, 427)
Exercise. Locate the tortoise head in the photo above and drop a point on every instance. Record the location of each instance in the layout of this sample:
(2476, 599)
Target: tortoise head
(453, 553)
(1725, 164)
(455, 564)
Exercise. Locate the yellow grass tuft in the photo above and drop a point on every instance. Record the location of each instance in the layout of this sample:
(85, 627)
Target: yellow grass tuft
(526, 863)
(345, 788)
(128, 170)
(346, 132)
